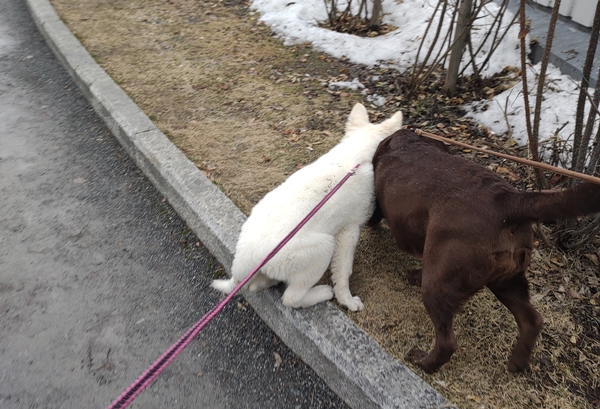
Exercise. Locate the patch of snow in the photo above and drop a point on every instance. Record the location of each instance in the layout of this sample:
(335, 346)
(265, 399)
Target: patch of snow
(298, 22)
(558, 108)
(354, 85)
(376, 99)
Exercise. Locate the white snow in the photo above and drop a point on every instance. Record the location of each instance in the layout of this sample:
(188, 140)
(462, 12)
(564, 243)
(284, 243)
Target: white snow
(558, 106)
(298, 21)
(355, 84)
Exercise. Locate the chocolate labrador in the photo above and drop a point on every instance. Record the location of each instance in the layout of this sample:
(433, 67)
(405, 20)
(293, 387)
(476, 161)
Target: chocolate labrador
(471, 228)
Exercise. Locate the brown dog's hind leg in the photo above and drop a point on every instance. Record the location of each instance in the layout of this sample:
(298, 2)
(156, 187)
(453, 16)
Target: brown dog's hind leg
(514, 294)
(376, 217)
(441, 304)
(415, 277)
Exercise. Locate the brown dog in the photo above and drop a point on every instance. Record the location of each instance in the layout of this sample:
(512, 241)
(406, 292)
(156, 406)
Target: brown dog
(471, 228)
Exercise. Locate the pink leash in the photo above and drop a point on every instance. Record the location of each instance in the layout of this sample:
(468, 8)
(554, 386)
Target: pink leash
(161, 363)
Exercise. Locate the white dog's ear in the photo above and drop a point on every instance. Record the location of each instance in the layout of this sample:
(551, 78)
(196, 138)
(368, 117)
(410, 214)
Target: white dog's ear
(394, 123)
(358, 118)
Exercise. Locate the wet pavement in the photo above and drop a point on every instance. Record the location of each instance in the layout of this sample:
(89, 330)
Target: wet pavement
(98, 274)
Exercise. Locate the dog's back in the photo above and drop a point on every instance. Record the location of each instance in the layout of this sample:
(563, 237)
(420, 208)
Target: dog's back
(423, 190)
(417, 180)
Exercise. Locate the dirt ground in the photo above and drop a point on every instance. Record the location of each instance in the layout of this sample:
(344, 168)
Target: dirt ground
(249, 111)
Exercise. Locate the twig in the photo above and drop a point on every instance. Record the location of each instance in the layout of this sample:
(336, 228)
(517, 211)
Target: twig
(539, 165)
(505, 113)
(578, 162)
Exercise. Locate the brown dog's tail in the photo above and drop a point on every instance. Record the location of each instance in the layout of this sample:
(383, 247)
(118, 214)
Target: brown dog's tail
(581, 200)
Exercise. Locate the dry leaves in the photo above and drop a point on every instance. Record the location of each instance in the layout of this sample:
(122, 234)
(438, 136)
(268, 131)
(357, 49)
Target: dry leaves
(278, 360)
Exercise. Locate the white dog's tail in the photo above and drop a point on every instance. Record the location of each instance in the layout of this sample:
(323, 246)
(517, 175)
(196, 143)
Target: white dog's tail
(225, 286)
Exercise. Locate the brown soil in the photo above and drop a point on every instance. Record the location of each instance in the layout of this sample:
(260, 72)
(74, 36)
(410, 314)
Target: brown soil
(249, 111)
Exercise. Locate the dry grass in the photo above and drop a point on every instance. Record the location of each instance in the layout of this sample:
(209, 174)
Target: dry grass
(219, 85)
(249, 111)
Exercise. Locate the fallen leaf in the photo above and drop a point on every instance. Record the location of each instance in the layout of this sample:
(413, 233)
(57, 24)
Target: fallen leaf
(537, 297)
(593, 258)
(206, 166)
(388, 324)
(593, 281)
(474, 398)
(523, 33)
(574, 294)
(441, 383)
(534, 398)
(506, 171)
(278, 360)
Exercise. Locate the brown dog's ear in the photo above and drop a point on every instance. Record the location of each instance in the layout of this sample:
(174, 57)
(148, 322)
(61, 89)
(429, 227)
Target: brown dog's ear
(358, 118)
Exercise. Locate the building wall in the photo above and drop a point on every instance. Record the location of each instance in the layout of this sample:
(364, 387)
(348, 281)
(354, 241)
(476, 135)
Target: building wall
(580, 11)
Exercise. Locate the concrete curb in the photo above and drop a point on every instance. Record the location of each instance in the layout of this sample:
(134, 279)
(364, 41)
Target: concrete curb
(346, 358)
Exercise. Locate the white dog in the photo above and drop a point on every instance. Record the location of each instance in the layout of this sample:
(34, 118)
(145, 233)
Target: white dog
(330, 237)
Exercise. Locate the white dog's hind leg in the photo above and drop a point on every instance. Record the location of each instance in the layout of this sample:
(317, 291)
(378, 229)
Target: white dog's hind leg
(256, 283)
(296, 296)
(314, 258)
(341, 267)
(225, 286)
(260, 282)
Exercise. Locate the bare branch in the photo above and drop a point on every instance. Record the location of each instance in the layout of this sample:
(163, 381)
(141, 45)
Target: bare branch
(581, 140)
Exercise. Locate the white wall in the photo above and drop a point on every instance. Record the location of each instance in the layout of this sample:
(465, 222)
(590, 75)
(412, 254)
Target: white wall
(580, 11)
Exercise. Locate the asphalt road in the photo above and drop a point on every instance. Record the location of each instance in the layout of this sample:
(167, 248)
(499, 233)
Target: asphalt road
(98, 275)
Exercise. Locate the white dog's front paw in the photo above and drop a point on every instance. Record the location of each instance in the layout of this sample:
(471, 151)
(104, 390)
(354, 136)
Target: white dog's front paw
(354, 303)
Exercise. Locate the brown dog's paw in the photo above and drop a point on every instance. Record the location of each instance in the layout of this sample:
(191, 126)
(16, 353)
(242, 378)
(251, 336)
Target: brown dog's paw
(415, 355)
(415, 276)
(515, 367)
